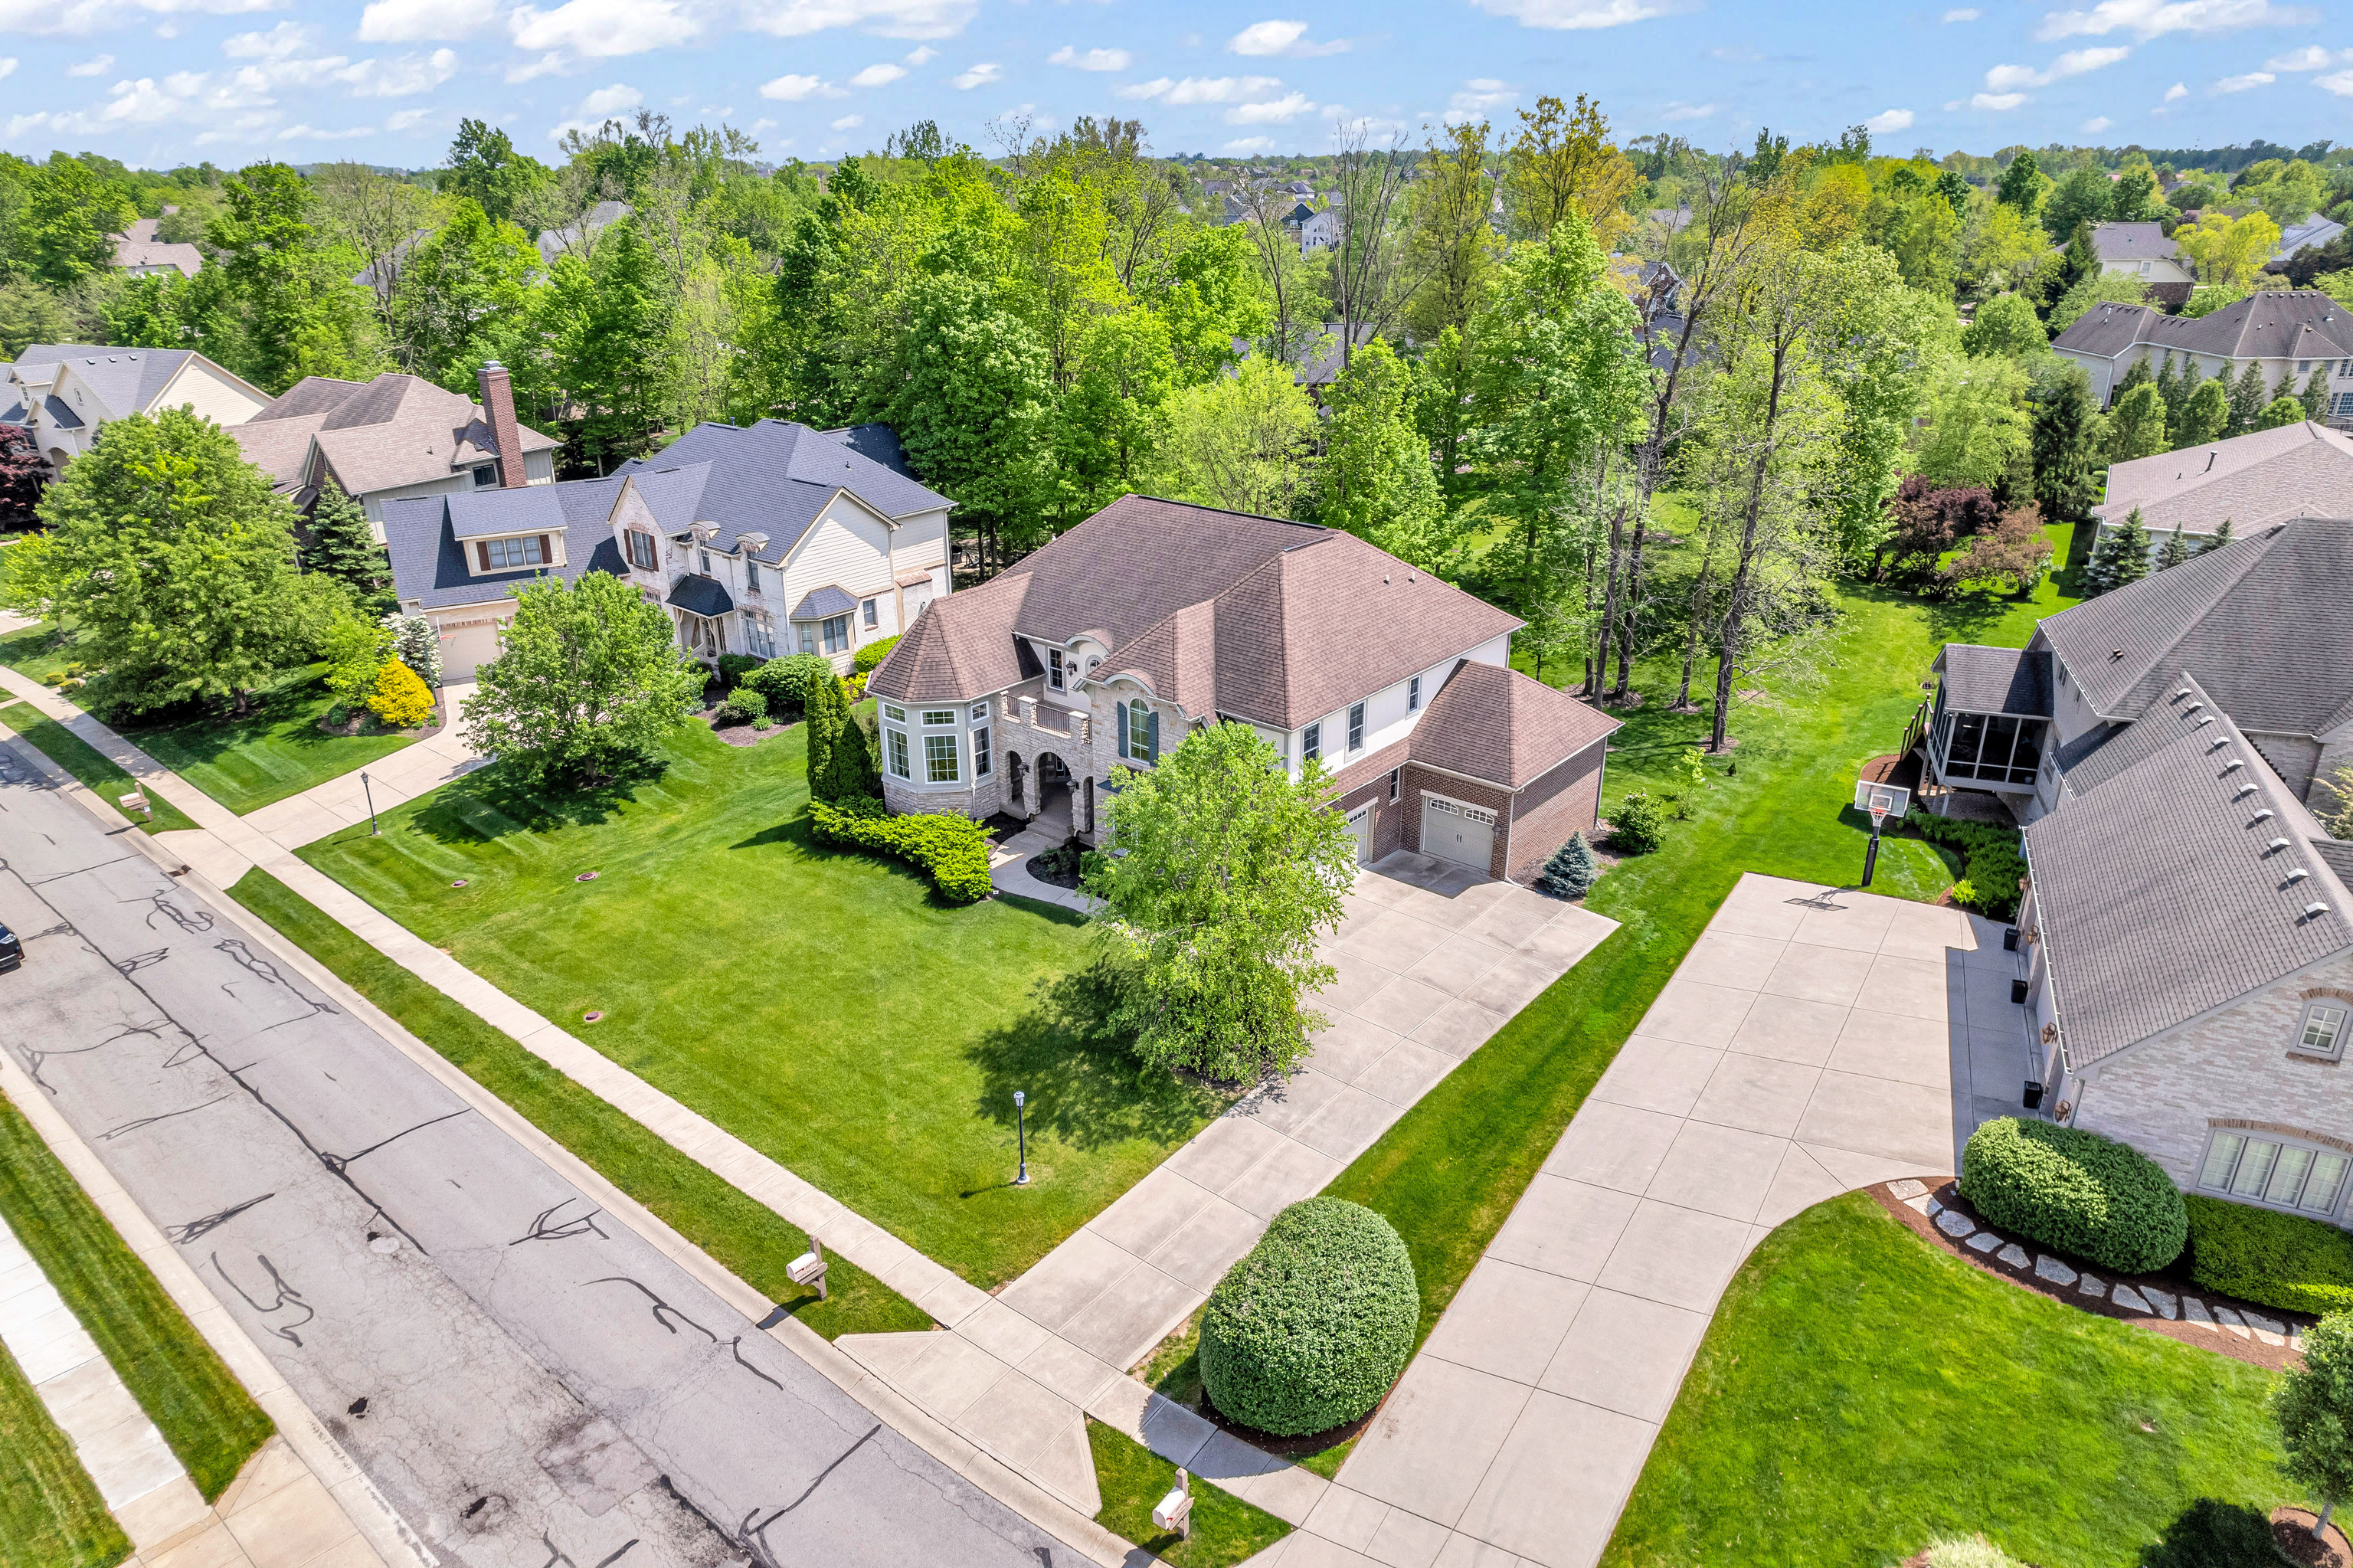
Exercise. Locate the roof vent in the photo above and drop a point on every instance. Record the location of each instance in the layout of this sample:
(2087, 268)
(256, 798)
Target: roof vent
(2275, 843)
(2316, 907)
(2264, 815)
(2203, 722)
(2298, 875)
(2181, 694)
(2244, 790)
(2116, 653)
(2234, 765)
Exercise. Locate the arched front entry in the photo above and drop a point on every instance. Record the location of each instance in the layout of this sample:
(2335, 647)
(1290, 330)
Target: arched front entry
(1053, 796)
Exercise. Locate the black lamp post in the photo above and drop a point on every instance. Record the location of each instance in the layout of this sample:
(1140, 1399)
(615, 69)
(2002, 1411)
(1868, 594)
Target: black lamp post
(1021, 1125)
(370, 792)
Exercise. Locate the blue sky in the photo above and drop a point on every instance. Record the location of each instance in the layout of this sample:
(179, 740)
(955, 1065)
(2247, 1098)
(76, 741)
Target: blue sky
(160, 82)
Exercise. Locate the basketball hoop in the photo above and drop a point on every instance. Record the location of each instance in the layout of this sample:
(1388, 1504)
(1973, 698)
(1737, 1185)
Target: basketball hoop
(1880, 801)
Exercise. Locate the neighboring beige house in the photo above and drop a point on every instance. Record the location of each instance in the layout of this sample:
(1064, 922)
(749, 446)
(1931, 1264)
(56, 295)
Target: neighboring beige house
(140, 253)
(65, 393)
(768, 540)
(395, 437)
(2256, 479)
(2289, 333)
(1037, 693)
(2143, 250)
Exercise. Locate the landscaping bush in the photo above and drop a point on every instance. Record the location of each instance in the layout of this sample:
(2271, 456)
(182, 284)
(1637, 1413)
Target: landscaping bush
(2261, 1255)
(744, 705)
(1992, 862)
(791, 682)
(1569, 873)
(1639, 827)
(2085, 1194)
(872, 654)
(952, 851)
(733, 667)
(1311, 1329)
(400, 701)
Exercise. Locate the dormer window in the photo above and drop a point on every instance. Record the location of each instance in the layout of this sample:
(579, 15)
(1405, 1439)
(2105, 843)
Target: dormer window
(486, 476)
(1054, 668)
(641, 549)
(750, 575)
(512, 555)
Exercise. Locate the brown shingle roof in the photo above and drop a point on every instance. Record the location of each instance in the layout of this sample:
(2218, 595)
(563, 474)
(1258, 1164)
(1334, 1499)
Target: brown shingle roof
(1488, 722)
(392, 432)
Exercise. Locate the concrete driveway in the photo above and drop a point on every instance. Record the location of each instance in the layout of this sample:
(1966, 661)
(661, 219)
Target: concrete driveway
(1811, 1041)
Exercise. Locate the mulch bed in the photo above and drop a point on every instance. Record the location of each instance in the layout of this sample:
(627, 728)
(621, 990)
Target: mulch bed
(1037, 865)
(2220, 1339)
(2292, 1534)
(1903, 771)
(741, 733)
(351, 727)
(1285, 1447)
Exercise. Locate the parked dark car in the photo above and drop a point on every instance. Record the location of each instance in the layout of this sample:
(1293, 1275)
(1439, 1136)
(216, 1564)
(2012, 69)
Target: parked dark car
(12, 951)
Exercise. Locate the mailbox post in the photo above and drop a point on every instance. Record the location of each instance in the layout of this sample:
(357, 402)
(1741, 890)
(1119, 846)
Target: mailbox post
(137, 801)
(809, 1268)
(1175, 1511)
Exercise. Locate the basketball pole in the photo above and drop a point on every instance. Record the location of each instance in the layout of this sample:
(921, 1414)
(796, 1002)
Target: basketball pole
(1870, 856)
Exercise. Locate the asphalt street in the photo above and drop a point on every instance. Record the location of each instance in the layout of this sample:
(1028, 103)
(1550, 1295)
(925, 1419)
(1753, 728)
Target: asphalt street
(530, 1384)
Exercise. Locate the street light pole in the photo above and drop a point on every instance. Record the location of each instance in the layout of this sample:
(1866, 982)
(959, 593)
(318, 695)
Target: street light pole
(1021, 1125)
(370, 792)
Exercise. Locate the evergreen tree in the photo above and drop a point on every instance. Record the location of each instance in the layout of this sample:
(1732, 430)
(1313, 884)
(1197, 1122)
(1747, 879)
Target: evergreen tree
(823, 714)
(2121, 557)
(2314, 395)
(418, 645)
(2066, 459)
(22, 476)
(2022, 185)
(2173, 551)
(2171, 393)
(2220, 537)
(2137, 425)
(851, 772)
(2140, 374)
(342, 545)
(2207, 416)
(2249, 394)
(1569, 873)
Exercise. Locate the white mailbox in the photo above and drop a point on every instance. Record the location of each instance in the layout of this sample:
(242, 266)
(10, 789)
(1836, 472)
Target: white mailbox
(1175, 1511)
(809, 1268)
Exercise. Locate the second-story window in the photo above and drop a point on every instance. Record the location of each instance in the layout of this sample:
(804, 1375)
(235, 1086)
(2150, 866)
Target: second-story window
(705, 555)
(1054, 668)
(1413, 695)
(506, 555)
(1356, 726)
(1311, 742)
(750, 575)
(869, 612)
(641, 549)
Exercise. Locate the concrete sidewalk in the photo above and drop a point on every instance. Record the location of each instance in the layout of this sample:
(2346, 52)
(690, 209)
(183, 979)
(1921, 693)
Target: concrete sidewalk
(1811, 1041)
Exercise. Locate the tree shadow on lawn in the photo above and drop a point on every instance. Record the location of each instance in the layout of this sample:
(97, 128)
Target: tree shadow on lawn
(206, 733)
(2211, 1533)
(489, 804)
(1082, 1084)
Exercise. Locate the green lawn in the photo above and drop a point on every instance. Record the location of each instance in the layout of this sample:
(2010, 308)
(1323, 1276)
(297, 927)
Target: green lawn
(78, 758)
(1448, 1173)
(1224, 1529)
(824, 1006)
(744, 1236)
(202, 1410)
(39, 651)
(50, 1514)
(1860, 1390)
(274, 751)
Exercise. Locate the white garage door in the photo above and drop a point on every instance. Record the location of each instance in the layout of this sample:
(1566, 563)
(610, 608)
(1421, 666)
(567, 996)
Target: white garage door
(1453, 831)
(1360, 828)
(465, 646)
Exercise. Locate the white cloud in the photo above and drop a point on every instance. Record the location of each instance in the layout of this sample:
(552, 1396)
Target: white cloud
(1575, 15)
(1892, 120)
(2341, 84)
(8, 65)
(1204, 89)
(1997, 101)
(531, 71)
(1678, 111)
(2094, 126)
(2075, 62)
(611, 100)
(1243, 146)
(921, 55)
(887, 19)
(98, 65)
(281, 42)
(408, 21)
(1483, 92)
(402, 78)
(793, 89)
(2153, 18)
(409, 119)
(601, 29)
(2247, 82)
(850, 122)
(878, 75)
(2177, 91)
(80, 18)
(977, 76)
(1094, 59)
(1962, 16)
(2312, 57)
(1274, 111)
(1281, 38)
(313, 134)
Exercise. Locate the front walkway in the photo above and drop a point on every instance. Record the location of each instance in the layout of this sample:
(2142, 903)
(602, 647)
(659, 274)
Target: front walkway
(1432, 962)
(1811, 1041)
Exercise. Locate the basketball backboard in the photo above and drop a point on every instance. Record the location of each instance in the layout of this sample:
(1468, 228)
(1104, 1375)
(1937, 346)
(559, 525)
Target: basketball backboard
(1882, 800)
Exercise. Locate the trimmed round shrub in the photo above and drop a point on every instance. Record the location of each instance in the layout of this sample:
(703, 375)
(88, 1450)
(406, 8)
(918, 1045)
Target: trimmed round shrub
(1313, 1328)
(1639, 827)
(791, 682)
(864, 661)
(2100, 1200)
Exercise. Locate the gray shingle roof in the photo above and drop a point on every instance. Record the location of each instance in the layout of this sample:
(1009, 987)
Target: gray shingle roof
(775, 478)
(2131, 242)
(2159, 899)
(699, 594)
(2261, 622)
(1496, 724)
(128, 379)
(428, 561)
(1981, 680)
(385, 434)
(533, 508)
(822, 603)
(60, 413)
(2275, 325)
(2256, 479)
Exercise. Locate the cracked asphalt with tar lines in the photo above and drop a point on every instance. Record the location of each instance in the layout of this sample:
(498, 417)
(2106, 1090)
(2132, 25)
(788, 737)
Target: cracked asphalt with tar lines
(530, 1384)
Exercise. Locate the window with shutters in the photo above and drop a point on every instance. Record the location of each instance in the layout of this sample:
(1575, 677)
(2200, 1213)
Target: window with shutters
(2277, 1171)
(641, 549)
(507, 555)
(1139, 732)
(940, 759)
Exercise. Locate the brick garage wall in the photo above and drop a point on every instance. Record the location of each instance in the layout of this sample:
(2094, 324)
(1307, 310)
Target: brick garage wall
(1561, 802)
(2162, 1097)
(1420, 780)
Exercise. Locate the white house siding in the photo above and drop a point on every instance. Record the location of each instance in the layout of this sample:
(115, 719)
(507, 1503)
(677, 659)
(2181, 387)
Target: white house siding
(851, 547)
(2164, 1096)
(1388, 718)
(211, 394)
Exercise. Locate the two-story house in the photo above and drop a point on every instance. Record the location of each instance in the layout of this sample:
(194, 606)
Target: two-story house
(394, 439)
(2145, 251)
(768, 540)
(2290, 332)
(66, 392)
(2263, 477)
(1034, 693)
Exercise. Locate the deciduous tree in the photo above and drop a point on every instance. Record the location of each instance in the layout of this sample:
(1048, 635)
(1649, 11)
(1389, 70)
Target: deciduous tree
(2314, 1407)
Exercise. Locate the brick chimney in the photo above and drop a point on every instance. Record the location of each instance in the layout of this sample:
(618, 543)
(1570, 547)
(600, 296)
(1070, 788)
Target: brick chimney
(498, 412)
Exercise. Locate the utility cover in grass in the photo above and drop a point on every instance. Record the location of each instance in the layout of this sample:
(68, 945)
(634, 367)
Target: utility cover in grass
(1310, 1330)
